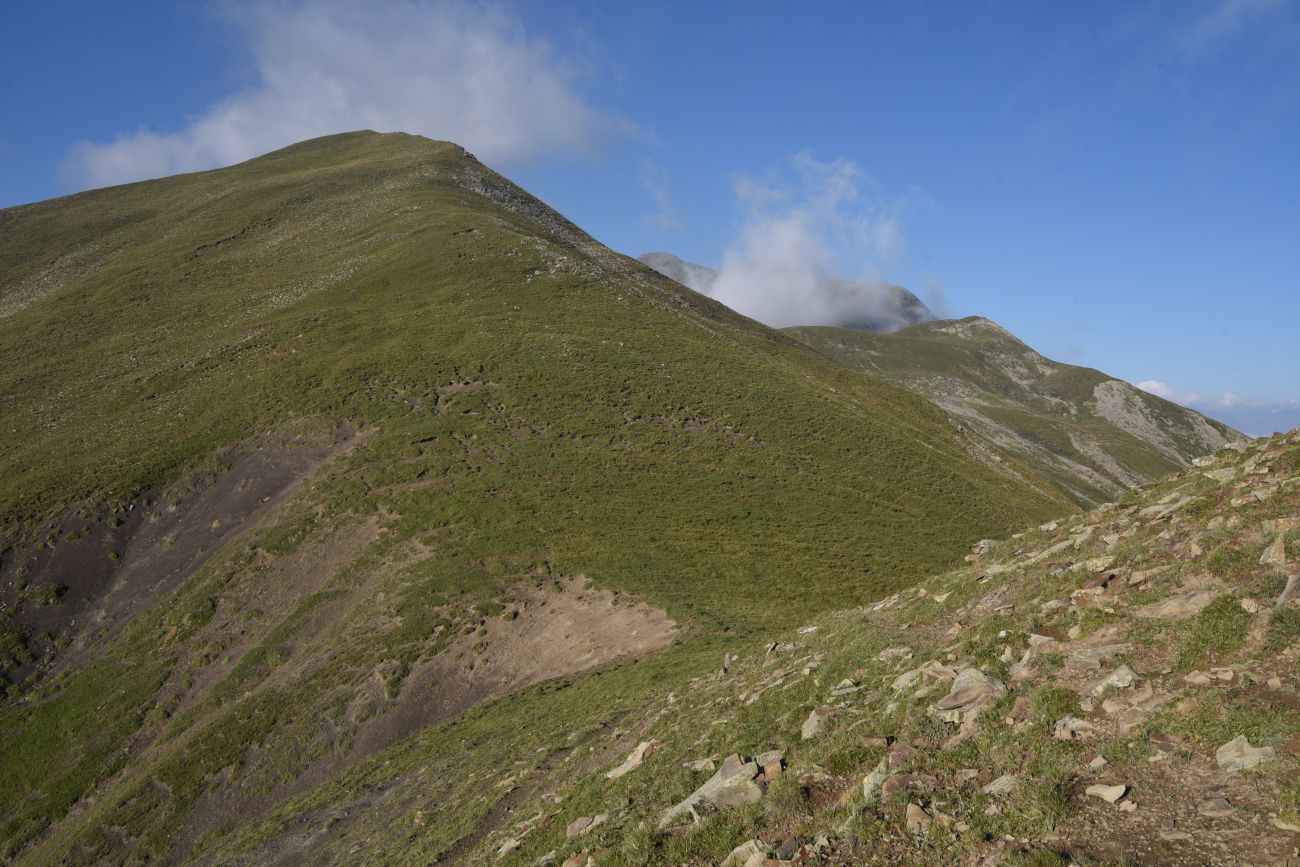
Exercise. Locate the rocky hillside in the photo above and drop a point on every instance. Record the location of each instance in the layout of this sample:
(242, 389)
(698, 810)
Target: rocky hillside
(862, 306)
(1122, 687)
(1093, 435)
(340, 486)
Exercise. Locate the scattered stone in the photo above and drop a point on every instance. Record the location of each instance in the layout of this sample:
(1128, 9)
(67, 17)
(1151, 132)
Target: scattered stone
(734, 784)
(1127, 806)
(902, 783)
(1121, 678)
(1275, 683)
(1251, 606)
(845, 687)
(1283, 825)
(917, 821)
(1238, 755)
(634, 760)
(744, 853)
(1225, 474)
(1215, 808)
(817, 722)
(1174, 836)
(1282, 525)
(1110, 794)
(771, 764)
(1098, 763)
(709, 764)
(510, 845)
(1292, 589)
(787, 850)
(1178, 606)
(1003, 785)
(894, 653)
(1071, 728)
(1275, 554)
(872, 782)
(548, 860)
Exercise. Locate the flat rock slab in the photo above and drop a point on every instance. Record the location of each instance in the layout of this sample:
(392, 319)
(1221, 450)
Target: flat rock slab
(1179, 606)
(1238, 755)
(1110, 794)
(733, 785)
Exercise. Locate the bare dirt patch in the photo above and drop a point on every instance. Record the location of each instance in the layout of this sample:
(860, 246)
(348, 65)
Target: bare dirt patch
(561, 627)
(108, 563)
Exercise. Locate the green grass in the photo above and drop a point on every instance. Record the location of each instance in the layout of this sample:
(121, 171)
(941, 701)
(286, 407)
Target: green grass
(1214, 633)
(614, 425)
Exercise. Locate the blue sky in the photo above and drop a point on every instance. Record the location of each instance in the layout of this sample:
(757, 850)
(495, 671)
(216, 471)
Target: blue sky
(1118, 184)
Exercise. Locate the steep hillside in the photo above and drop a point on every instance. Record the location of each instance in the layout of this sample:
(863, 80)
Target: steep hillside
(353, 473)
(862, 306)
(1117, 688)
(1093, 435)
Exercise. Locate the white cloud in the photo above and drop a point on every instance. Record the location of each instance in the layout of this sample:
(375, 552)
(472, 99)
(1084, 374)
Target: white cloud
(446, 69)
(1226, 19)
(1254, 417)
(799, 235)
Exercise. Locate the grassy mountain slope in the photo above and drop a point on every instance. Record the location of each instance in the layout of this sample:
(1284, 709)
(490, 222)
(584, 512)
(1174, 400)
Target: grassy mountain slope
(1093, 435)
(1116, 688)
(331, 472)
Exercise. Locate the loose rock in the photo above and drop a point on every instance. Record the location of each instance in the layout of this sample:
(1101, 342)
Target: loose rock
(635, 759)
(1238, 755)
(1107, 793)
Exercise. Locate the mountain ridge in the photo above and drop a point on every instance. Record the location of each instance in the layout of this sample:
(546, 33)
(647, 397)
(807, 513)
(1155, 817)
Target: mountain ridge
(302, 450)
(1093, 434)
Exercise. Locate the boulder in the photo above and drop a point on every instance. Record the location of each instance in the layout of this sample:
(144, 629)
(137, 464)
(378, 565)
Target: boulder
(972, 692)
(1121, 678)
(1178, 606)
(707, 764)
(1275, 554)
(744, 853)
(904, 783)
(1069, 728)
(1238, 755)
(817, 722)
(1292, 590)
(872, 782)
(1110, 794)
(1003, 785)
(916, 820)
(734, 784)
